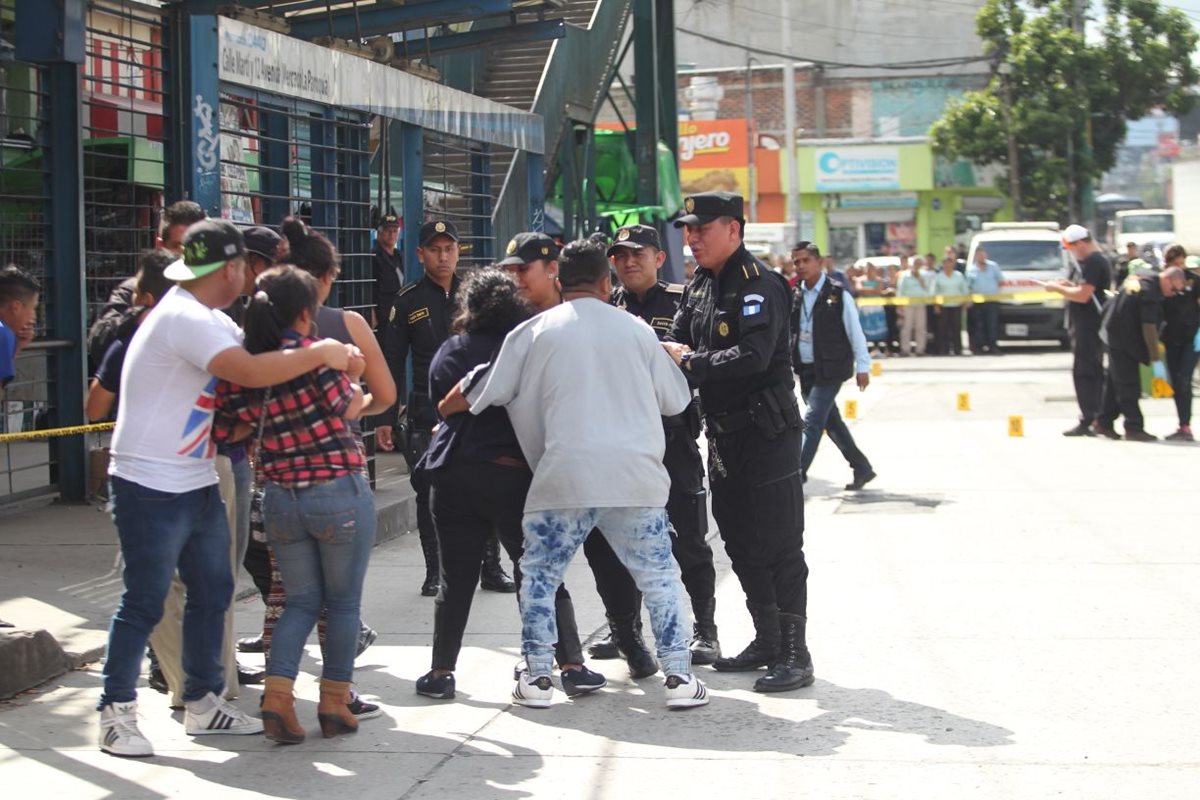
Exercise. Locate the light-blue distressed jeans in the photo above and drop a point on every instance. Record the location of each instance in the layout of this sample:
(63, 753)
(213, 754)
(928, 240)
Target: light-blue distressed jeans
(640, 538)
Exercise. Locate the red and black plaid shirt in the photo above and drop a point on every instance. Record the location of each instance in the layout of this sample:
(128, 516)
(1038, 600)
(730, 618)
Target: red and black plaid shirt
(306, 438)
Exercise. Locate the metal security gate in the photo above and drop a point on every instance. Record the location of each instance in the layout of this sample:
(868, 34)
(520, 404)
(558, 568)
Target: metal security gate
(282, 157)
(25, 240)
(124, 85)
(459, 186)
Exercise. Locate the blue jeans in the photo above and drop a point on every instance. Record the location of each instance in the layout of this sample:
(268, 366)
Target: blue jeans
(322, 538)
(821, 416)
(640, 538)
(159, 532)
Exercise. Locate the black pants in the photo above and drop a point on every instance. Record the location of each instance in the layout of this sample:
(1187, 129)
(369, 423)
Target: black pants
(1181, 364)
(947, 331)
(1122, 390)
(893, 328)
(987, 324)
(257, 562)
(471, 502)
(758, 503)
(421, 419)
(1088, 371)
(688, 514)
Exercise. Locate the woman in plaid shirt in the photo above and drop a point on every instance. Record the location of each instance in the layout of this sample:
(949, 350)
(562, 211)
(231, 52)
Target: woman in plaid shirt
(319, 509)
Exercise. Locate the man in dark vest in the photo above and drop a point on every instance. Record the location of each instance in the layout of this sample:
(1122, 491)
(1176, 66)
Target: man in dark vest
(828, 348)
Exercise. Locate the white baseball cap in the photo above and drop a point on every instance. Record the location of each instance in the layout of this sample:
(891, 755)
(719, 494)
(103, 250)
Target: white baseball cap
(1075, 233)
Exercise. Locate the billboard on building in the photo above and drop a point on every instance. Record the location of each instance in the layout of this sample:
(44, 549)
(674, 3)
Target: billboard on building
(714, 155)
(841, 169)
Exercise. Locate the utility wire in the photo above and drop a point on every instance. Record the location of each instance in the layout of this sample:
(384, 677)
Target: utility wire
(894, 65)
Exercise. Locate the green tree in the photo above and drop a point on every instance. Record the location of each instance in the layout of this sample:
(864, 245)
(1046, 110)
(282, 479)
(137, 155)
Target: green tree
(1068, 98)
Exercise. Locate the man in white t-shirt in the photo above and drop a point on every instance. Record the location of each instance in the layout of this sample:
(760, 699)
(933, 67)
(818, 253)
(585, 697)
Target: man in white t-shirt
(563, 376)
(166, 505)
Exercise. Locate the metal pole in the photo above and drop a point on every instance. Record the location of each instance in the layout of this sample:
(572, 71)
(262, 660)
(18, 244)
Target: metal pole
(789, 113)
(753, 198)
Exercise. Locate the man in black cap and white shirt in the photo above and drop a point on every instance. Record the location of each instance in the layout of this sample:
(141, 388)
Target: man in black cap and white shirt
(418, 323)
(166, 504)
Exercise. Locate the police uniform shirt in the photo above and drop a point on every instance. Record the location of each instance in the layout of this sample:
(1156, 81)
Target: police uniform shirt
(419, 322)
(388, 269)
(1138, 303)
(657, 309)
(737, 324)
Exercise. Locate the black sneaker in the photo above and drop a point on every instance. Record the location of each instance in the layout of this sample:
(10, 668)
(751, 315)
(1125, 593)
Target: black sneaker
(158, 681)
(249, 676)
(861, 479)
(366, 638)
(1082, 429)
(361, 709)
(1107, 431)
(439, 687)
(581, 681)
(1181, 435)
(1140, 436)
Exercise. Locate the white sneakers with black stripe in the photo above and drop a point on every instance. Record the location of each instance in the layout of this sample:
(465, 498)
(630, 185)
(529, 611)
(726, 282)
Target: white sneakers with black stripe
(212, 714)
(685, 691)
(119, 734)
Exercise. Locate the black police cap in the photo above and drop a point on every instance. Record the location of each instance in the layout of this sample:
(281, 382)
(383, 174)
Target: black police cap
(389, 221)
(635, 237)
(436, 228)
(527, 247)
(707, 206)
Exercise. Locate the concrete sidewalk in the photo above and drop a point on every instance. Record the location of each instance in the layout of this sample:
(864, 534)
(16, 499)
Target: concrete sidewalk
(995, 618)
(60, 572)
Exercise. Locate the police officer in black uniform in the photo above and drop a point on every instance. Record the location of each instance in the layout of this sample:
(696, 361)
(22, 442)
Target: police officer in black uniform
(733, 344)
(637, 255)
(1130, 334)
(419, 322)
(387, 267)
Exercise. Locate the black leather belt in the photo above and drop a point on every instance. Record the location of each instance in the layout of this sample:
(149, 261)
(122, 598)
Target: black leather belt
(730, 422)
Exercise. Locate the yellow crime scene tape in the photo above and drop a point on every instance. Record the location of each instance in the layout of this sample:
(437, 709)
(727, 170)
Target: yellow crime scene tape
(51, 433)
(1032, 296)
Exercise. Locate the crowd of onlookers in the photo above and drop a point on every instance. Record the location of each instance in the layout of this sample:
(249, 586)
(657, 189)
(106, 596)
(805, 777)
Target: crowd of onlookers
(914, 323)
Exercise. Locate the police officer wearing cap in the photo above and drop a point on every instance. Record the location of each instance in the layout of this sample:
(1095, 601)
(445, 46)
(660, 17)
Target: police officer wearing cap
(387, 267)
(637, 256)
(419, 322)
(531, 258)
(733, 344)
(1129, 330)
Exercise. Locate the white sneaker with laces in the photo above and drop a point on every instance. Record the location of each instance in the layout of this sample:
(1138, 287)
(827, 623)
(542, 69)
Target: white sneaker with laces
(685, 691)
(119, 734)
(533, 692)
(212, 714)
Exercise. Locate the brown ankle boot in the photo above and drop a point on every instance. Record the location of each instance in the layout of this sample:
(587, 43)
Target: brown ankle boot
(332, 713)
(279, 711)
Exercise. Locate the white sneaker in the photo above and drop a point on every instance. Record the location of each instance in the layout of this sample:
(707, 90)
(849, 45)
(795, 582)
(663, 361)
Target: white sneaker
(533, 692)
(119, 734)
(221, 717)
(685, 691)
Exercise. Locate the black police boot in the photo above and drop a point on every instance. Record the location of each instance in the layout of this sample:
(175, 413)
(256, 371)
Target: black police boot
(705, 647)
(493, 578)
(761, 652)
(794, 667)
(433, 580)
(627, 633)
(604, 649)
(157, 681)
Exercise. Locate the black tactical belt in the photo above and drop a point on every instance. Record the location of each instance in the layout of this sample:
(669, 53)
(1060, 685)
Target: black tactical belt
(729, 423)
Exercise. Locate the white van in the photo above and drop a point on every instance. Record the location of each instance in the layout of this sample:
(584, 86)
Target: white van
(1028, 254)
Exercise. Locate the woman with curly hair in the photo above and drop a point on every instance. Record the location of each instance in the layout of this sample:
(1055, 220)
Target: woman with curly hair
(480, 479)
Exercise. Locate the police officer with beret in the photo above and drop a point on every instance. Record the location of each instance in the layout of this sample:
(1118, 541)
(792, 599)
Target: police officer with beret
(419, 322)
(733, 344)
(637, 256)
(1129, 331)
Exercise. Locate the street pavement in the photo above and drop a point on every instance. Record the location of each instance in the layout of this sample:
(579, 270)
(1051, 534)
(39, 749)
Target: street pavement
(995, 617)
